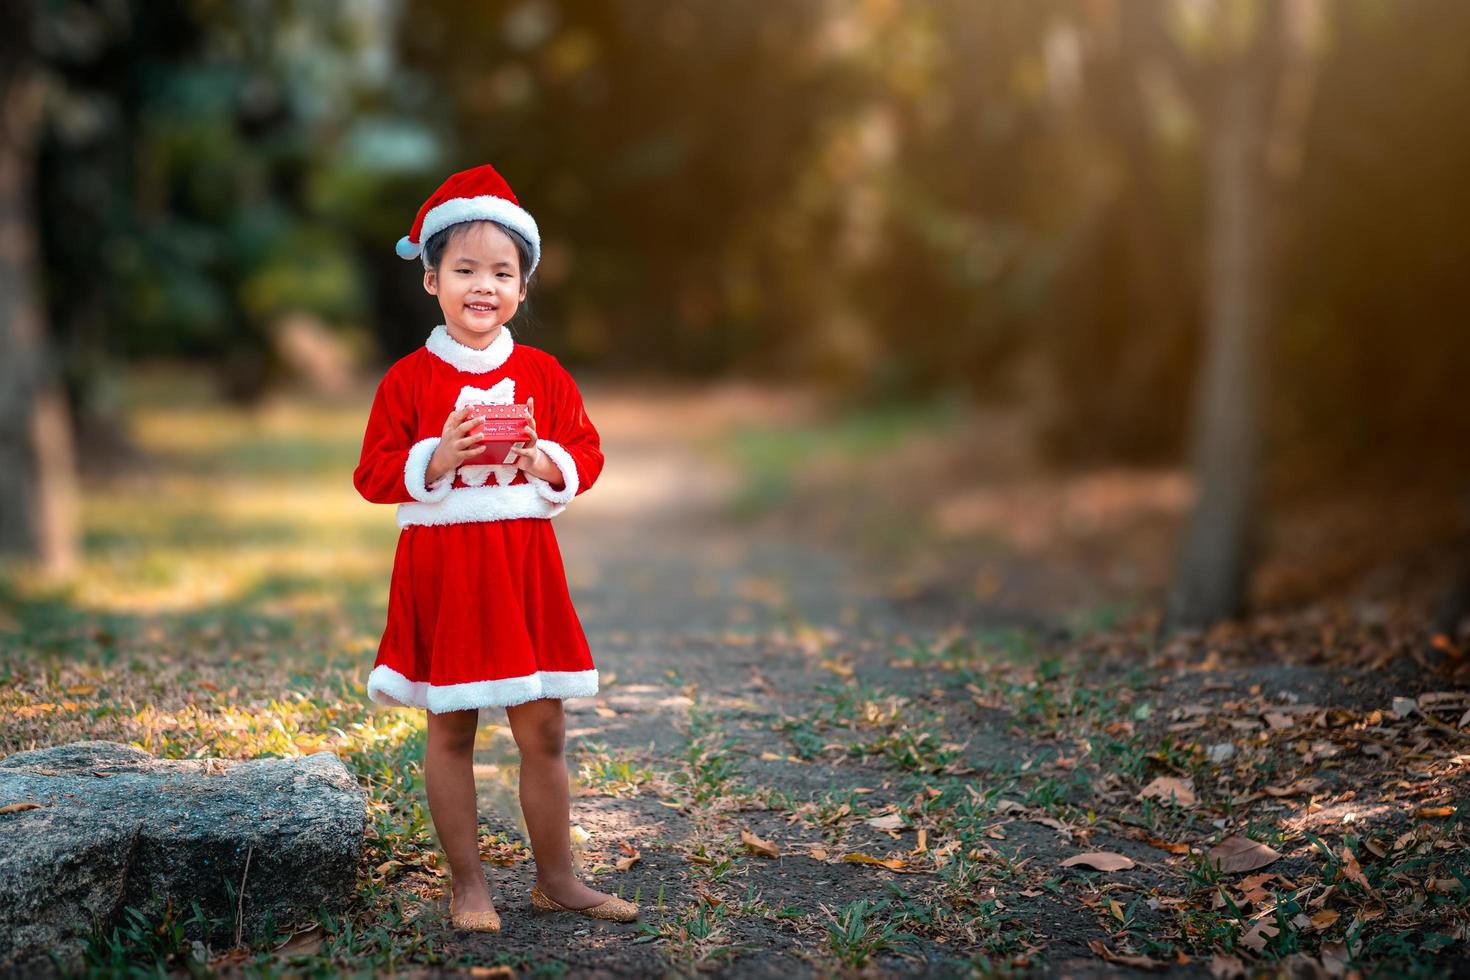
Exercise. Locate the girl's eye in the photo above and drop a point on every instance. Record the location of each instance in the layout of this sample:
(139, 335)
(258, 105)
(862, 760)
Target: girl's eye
(505, 273)
(461, 270)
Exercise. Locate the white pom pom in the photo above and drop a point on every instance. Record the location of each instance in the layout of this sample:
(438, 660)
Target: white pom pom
(407, 249)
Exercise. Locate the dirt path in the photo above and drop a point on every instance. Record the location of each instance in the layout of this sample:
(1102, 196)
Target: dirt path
(857, 733)
(720, 640)
(761, 688)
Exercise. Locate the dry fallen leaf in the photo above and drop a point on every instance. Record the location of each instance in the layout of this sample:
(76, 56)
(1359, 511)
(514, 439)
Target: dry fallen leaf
(1126, 959)
(17, 807)
(1100, 861)
(1297, 788)
(305, 943)
(892, 864)
(1170, 789)
(629, 858)
(1434, 812)
(1353, 871)
(1224, 967)
(1253, 889)
(818, 854)
(1324, 919)
(1258, 934)
(761, 848)
(889, 821)
(1335, 959)
(1235, 854)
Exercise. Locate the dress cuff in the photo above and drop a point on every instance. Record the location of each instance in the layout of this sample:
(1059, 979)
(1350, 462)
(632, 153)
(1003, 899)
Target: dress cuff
(568, 467)
(417, 466)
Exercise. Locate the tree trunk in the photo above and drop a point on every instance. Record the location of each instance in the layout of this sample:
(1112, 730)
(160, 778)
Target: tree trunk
(37, 469)
(1220, 540)
(1254, 156)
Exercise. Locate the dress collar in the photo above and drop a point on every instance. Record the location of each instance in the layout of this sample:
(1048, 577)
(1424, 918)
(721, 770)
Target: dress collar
(469, 359)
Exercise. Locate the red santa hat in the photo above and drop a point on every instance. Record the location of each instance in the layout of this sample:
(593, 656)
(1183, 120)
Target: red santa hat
(477, 194)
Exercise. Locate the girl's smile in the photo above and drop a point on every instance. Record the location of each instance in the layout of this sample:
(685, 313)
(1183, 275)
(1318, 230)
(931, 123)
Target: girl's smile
(478, 283)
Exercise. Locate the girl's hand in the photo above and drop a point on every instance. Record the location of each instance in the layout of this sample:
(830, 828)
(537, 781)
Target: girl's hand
(530, 457)
(456, 444)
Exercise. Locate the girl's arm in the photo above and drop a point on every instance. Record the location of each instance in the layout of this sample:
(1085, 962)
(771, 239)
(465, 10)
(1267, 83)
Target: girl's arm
(392, 466)
(568, 438)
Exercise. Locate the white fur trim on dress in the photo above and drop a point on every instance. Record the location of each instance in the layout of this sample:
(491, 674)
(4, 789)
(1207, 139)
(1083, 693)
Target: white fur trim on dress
(464, 505)
(387, 686)
(416, 467)
(470, 360)
(568, 467)
(503, 392)
(484, 207)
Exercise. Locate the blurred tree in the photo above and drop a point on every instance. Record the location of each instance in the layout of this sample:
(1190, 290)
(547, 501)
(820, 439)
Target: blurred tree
(892, 198)
(1266, 59)
(194, 160)
(37, 468)
(656, 144)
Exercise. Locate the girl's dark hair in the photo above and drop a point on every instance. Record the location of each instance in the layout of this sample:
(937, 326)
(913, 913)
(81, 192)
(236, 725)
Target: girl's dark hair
(439, 241)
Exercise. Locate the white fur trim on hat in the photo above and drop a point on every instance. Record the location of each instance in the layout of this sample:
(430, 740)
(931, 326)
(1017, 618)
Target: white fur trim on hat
(486, 207)
(470, 360)
(387, 686)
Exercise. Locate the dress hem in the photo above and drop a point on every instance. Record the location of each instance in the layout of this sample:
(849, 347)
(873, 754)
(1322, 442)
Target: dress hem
(387, 686)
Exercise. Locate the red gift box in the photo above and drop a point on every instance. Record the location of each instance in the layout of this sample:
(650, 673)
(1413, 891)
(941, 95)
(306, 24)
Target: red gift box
(504, 429)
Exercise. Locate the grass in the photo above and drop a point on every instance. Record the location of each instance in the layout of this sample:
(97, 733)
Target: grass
(771, 457)
(611, 773)
(860, 931)
(229, 605)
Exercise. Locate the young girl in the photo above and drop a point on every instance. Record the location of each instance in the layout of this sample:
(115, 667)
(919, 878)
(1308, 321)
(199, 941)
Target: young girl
(478, 610)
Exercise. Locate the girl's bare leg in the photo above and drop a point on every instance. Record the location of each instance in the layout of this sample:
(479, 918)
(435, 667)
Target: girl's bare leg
(540, 732)
(449, 776)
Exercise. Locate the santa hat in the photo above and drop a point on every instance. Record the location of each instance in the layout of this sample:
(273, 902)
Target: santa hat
(471, 195)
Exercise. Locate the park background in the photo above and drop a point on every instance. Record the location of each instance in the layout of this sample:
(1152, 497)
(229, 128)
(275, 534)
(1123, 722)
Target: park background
(964, 368)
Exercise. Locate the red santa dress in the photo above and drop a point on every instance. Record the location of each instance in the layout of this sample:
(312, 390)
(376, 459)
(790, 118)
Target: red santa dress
(478, 608)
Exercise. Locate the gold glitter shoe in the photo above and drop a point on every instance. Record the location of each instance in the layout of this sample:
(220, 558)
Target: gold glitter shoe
(613, 909)
(486, 921)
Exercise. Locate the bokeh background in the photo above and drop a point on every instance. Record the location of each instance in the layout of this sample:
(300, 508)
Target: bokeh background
(1116, 321)
(1031, 205)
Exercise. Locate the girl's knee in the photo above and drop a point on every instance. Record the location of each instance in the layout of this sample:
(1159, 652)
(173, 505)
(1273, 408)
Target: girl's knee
(453, 731)
(540, 730)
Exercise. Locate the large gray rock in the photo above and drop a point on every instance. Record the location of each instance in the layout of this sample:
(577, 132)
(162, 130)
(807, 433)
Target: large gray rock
(121, 828)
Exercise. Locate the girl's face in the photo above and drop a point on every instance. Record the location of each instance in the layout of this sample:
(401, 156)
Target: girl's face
(478, 283)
